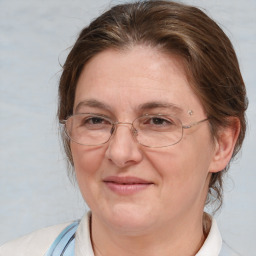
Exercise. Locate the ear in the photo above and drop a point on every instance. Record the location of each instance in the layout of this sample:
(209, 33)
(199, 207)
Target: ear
(224, 145)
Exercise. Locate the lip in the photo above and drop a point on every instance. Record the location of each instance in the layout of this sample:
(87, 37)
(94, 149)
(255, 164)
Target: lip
(126, 185)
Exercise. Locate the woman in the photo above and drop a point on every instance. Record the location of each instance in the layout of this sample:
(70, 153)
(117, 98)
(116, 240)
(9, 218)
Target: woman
(152, 109)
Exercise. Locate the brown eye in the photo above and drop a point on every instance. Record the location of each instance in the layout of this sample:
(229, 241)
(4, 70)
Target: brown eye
(94, 122)
(156, 121)
(160, 121)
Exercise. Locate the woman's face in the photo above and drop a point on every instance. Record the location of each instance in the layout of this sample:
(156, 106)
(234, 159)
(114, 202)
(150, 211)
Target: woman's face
(127, 186)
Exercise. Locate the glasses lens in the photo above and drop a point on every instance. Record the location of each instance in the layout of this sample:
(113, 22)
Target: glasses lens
(158, 130)
(88, 129)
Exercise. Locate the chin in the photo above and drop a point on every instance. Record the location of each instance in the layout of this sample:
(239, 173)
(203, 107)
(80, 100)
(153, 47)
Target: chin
(129, 218)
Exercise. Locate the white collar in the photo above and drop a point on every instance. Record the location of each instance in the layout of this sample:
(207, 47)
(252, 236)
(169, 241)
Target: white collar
(213, 243)
(83, 245)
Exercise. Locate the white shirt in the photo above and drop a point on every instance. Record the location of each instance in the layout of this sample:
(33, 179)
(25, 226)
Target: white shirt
(37, 243)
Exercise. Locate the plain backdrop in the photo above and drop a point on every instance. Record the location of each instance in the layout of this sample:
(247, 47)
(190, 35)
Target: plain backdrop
(34, 187)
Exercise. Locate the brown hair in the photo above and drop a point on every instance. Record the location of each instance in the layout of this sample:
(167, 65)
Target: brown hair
(209, 57)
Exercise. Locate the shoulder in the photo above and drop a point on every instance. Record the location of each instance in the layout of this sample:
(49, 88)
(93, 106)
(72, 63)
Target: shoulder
(36, 243)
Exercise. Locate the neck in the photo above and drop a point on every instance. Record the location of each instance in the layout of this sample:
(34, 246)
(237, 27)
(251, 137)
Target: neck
(172, 239)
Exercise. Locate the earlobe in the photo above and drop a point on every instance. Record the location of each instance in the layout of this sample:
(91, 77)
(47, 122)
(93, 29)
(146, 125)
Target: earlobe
(225, 144)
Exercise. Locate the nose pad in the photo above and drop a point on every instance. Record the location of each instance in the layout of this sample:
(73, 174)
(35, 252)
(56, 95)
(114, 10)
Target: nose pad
(134, 132)
(112, 130)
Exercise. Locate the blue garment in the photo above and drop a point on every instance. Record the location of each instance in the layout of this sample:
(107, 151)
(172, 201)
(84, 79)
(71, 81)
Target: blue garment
(64, 244)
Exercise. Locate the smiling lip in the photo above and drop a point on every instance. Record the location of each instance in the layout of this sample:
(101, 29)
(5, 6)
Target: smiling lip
(126, 185)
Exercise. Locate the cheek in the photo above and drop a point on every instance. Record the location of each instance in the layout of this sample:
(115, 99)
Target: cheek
(179, 165)
(87, 161)
(183, 169)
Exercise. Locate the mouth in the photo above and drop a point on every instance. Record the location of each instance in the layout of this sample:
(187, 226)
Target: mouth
(126, 185)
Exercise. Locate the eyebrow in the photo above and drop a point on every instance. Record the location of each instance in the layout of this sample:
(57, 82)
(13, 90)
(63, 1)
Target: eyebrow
(91, 103)
(142, 107)
(159, 104)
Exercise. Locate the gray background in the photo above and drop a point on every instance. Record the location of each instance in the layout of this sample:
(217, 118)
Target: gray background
(34, 188)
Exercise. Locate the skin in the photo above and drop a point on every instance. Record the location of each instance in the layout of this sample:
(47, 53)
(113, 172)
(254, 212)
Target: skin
(166, 217)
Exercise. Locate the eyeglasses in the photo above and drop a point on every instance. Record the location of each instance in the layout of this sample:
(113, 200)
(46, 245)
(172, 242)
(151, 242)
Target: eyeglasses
(154, 131)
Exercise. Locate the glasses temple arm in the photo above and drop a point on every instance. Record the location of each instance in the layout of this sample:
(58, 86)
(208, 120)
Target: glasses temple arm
(195, 123)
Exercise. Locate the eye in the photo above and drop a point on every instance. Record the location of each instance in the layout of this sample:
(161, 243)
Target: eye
(158, 123)
(94, 122)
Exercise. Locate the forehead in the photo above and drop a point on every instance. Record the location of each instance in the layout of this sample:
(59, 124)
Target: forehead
(125, 80)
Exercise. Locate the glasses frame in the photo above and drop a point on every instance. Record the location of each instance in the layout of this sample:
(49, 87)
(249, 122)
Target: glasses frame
(133, 130)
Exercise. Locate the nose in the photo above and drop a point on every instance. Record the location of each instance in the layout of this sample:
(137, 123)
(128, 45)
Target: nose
(122, 149)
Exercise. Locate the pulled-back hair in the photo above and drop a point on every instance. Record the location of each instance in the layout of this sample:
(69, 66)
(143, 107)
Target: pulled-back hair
(210, 61)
